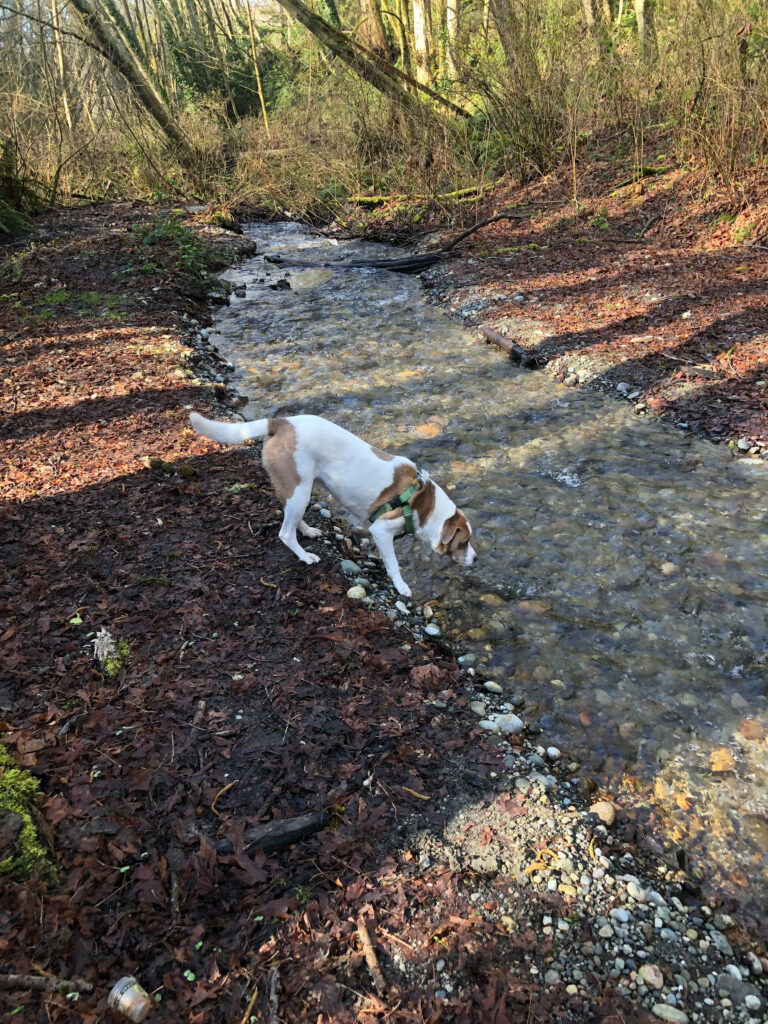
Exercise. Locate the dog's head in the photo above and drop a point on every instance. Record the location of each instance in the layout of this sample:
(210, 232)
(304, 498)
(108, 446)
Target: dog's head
(454, 539)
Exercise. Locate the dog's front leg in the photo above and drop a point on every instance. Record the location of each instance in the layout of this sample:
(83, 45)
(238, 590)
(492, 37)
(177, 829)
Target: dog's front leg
(383, 532)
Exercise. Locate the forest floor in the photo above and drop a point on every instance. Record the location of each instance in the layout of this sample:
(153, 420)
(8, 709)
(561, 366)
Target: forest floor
(252, 690)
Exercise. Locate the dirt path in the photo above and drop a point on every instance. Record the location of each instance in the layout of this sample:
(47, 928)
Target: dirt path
(256, 691)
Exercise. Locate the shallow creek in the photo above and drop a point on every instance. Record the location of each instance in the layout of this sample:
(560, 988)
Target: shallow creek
(622, 584)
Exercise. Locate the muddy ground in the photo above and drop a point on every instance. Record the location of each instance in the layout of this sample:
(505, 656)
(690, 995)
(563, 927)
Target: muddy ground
(255, 691)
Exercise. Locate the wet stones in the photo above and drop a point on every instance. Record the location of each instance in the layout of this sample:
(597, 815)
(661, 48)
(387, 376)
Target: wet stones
(605, 811)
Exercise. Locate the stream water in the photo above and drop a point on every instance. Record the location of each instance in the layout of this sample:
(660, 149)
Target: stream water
(622, 578)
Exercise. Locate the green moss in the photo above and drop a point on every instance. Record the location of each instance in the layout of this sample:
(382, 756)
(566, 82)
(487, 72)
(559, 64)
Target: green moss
(18, 794)
(122, 657)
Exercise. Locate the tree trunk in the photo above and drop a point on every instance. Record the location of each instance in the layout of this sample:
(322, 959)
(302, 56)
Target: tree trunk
(124, 61)
(421, 41)
(646, 29)
(367, 65)
(452, 14)
(372, 30)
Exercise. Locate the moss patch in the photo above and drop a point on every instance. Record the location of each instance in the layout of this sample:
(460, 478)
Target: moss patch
(18, 794)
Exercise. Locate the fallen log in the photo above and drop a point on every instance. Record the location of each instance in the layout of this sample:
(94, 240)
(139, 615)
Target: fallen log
(405, 264)
(518, 354)
(277, 834)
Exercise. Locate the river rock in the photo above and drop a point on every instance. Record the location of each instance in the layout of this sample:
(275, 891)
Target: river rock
(666, 1012)
(350, 568)
(356, 593)
(635, 891)
(651, 975)
(467, 659)
(401, 607)
(432, 629)
(605, 811)
(509, 725)
(427, 612)
(492, 686)
(735, 988)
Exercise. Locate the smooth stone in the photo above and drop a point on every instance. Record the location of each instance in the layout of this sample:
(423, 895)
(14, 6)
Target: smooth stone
(553, 753)
(651, 975)
(605, 811)
(479, 707)
(324, 512)
(492, 687)
(620, 914)
(509, 725)
(432, 629)
(357, 593)
(489, 726)
(350, 568)
(752, 1003)
(551, 977)
(636, 892)
(666, 1012)
(467, 659)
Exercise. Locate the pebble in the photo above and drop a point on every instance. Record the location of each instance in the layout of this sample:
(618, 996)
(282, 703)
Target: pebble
(752, 1003)
(666, 1012)
(551, 977)
(620, 914)
(635, 891)
(325, 513)
(553, 753)
(350, 568)
(432, 629)
(401, 607)
(509, 725)
(605, 811)
(467, 659)
(479, 707)
(492, 687)
(651, 975)
(427, 612)
(356, 593)
(754, 963)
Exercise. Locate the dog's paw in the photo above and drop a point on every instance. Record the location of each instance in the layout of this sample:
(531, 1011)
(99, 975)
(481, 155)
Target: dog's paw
(403, 589)
(309, 558)
(312, 533)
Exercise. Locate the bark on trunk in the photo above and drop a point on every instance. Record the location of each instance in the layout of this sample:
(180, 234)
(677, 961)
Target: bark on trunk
(124, 61)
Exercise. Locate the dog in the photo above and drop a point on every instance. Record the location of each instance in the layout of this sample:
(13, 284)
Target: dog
(387, 490)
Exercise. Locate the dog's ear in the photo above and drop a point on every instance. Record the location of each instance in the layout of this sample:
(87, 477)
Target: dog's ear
(450, 526)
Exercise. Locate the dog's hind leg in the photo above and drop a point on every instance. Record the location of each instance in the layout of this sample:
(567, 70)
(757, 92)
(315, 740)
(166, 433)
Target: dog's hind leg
(294, 509)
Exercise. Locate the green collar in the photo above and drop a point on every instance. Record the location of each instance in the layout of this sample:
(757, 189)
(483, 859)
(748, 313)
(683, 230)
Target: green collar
(402, 501)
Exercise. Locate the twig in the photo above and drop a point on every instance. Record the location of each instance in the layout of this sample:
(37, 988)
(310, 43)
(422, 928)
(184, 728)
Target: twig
(221, 793)
(370, 957)
(273, 985)
(175, 902)
(199, 714)
(247, 1015)
(36, 983)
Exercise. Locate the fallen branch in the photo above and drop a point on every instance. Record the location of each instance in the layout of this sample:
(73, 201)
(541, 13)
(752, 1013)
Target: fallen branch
(280, 833)
(37, 983)
(406, 264)
(516, 353)
(471, 190)
(370, 957)
(481, 224)
(273, 985)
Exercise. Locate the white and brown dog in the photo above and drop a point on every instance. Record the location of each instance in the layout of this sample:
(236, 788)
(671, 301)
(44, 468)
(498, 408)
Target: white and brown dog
(386, 489)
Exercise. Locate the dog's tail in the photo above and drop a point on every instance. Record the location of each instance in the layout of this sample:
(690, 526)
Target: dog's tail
(228, 433)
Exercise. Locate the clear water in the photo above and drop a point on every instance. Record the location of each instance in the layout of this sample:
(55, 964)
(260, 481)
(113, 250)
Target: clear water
(623, 575)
